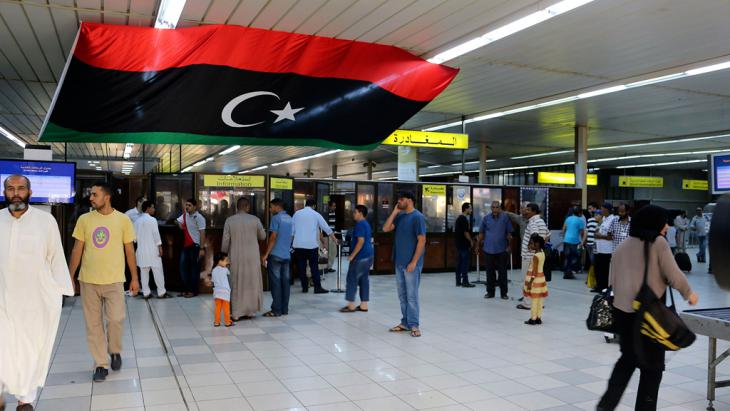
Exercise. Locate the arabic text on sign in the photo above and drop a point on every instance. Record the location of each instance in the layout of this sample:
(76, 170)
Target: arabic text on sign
(641, 181)
(700, 185)
(430, 139)
(222, 180)
(434, 190)
(281, 183)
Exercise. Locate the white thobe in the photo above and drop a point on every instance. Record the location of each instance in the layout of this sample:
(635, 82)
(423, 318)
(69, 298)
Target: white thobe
(148, 253)
(134, 214)
(33, 278)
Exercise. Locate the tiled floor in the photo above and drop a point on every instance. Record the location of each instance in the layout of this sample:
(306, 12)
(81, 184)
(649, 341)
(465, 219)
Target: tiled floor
(474, 355)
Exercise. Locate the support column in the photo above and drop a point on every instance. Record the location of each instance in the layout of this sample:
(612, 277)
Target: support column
(334, 171)
(463, 152)
(581, 163)
(482, 163)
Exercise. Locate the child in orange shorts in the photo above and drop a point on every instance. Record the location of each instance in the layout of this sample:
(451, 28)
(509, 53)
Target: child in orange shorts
(221, 290)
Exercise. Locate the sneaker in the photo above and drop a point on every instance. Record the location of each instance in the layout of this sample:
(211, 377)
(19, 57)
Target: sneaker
(468, 285)
(321, 291)
(116, 362)
(488, 296)
(100, 374)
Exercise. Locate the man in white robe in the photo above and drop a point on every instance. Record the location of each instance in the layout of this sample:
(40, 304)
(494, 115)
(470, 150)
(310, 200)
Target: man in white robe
(33, 278)
(149, 251)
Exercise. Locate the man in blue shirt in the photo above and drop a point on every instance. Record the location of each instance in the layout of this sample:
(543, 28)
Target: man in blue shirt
(495, 234)
(408, 247)
(277, 258)
(361, 259)
(307, 225)
(573, 236)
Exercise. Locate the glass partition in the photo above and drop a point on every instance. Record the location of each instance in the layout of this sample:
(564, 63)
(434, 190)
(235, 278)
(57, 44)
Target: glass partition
(218, 195)
(385, 204)
(434, 207)
(170, 193)
(458, 195)
(366, 197)
(482, 198)
(538, 195)
(283, 189)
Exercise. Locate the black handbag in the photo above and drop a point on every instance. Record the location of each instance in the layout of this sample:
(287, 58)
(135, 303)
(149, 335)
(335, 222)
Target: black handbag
(656, 322)
(600, 316)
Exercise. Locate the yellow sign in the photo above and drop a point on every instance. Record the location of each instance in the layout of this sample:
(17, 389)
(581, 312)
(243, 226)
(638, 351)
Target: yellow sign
(434, 190)
(430, 139)
(224, 180)
(564, 178)
(641, 181)
(701, 185)
(278, 183)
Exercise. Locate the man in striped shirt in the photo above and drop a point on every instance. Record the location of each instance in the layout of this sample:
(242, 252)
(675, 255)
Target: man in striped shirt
(331, 246)
(591, 227)
(535, 224)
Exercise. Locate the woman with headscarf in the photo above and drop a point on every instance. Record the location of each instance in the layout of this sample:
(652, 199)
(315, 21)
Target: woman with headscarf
(649, 226)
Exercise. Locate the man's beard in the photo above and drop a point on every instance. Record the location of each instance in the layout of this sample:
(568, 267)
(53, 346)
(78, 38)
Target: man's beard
(17, 203)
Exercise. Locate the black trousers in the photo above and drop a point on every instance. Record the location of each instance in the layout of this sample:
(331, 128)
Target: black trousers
(190, 269)
(304, 256)
(497, 263)
(651, 371)
(603, 265)
(462, 266)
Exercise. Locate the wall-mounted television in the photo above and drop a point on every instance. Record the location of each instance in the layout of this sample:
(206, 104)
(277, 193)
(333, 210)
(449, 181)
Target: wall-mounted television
(720, 173)
(51, 181)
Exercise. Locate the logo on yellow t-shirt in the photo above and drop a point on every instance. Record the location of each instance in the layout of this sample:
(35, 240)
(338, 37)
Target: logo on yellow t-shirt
(100, 237)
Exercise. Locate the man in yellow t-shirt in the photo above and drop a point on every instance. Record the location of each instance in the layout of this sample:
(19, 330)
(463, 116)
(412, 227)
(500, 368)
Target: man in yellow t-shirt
(103, 237)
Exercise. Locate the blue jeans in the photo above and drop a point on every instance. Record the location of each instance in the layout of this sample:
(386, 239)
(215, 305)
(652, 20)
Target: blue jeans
(358, 274)
(462, 266)
(572, 257)
(190, 268)
(278, 269)
(703, 245)
(408, 294)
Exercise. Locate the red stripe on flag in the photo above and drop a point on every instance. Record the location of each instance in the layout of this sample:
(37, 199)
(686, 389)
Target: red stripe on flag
(128, 48)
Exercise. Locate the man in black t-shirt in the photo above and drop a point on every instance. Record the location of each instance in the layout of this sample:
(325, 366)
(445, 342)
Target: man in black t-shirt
(464, 246)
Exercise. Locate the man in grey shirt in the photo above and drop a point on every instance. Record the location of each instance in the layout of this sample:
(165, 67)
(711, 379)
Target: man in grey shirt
(698, 225)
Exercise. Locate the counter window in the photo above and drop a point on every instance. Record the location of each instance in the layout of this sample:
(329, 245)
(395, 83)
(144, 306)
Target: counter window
(482, 203)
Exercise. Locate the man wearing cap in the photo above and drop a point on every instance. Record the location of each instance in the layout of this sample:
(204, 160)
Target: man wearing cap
(604, 247)
(408, 249)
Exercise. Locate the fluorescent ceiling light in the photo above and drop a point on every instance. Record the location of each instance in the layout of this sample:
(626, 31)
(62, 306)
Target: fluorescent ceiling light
(434, 166)
(186, 169)
(671, 163)
(553, 153)
(128, 150)
(442, 174)
(294, 160)
(229, 150)
(169, 13)
(199, 163)
(382, 172)
(253, 169)
(12, 137)
(508, 29)
(588, 94)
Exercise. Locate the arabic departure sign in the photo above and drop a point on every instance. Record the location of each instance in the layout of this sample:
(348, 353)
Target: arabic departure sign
(429, 139)
(701, 185)
(278, 183)
(224, 180)
(641, 181)
(434, 190)
(544, 177)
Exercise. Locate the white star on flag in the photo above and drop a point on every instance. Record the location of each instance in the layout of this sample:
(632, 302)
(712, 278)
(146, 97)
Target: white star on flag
(287, 113)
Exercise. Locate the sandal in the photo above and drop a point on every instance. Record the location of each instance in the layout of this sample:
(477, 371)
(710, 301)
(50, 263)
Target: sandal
(347, 309)
(398, 328)
(415, 332)
(248, 317)
(360, 309)
(216, 324)
(272, 314)
(231, 324)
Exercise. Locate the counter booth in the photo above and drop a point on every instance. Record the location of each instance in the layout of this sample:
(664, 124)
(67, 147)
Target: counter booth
(440, 203)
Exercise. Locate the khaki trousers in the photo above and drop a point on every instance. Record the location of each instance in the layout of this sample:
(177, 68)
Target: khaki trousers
(101, 301)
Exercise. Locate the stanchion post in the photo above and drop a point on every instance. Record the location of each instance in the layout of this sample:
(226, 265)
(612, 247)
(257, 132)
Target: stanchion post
(339, 270)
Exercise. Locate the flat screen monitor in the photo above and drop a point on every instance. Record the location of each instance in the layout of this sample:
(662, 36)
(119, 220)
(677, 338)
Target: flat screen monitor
(51, 181)
(720, 173)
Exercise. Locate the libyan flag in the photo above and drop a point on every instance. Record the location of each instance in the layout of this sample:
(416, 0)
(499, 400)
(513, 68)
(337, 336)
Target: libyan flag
(236, 85)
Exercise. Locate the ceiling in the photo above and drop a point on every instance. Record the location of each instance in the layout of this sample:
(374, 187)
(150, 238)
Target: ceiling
(600, 43)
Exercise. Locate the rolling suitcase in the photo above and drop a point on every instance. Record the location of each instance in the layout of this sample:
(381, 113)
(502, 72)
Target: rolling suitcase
(683, 261)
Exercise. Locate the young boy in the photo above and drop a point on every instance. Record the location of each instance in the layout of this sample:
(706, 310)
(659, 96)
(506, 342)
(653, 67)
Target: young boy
(221, 290)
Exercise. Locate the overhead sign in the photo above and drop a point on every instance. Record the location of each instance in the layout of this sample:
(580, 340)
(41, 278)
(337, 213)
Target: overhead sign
(431, 139)
(224, 180)
(701, 185)
(544, 177)
(434, 190)
(278, 183)
(640, 182)
(226, 85)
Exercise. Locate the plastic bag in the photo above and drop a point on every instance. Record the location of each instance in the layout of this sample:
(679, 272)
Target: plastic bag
(592, 278)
